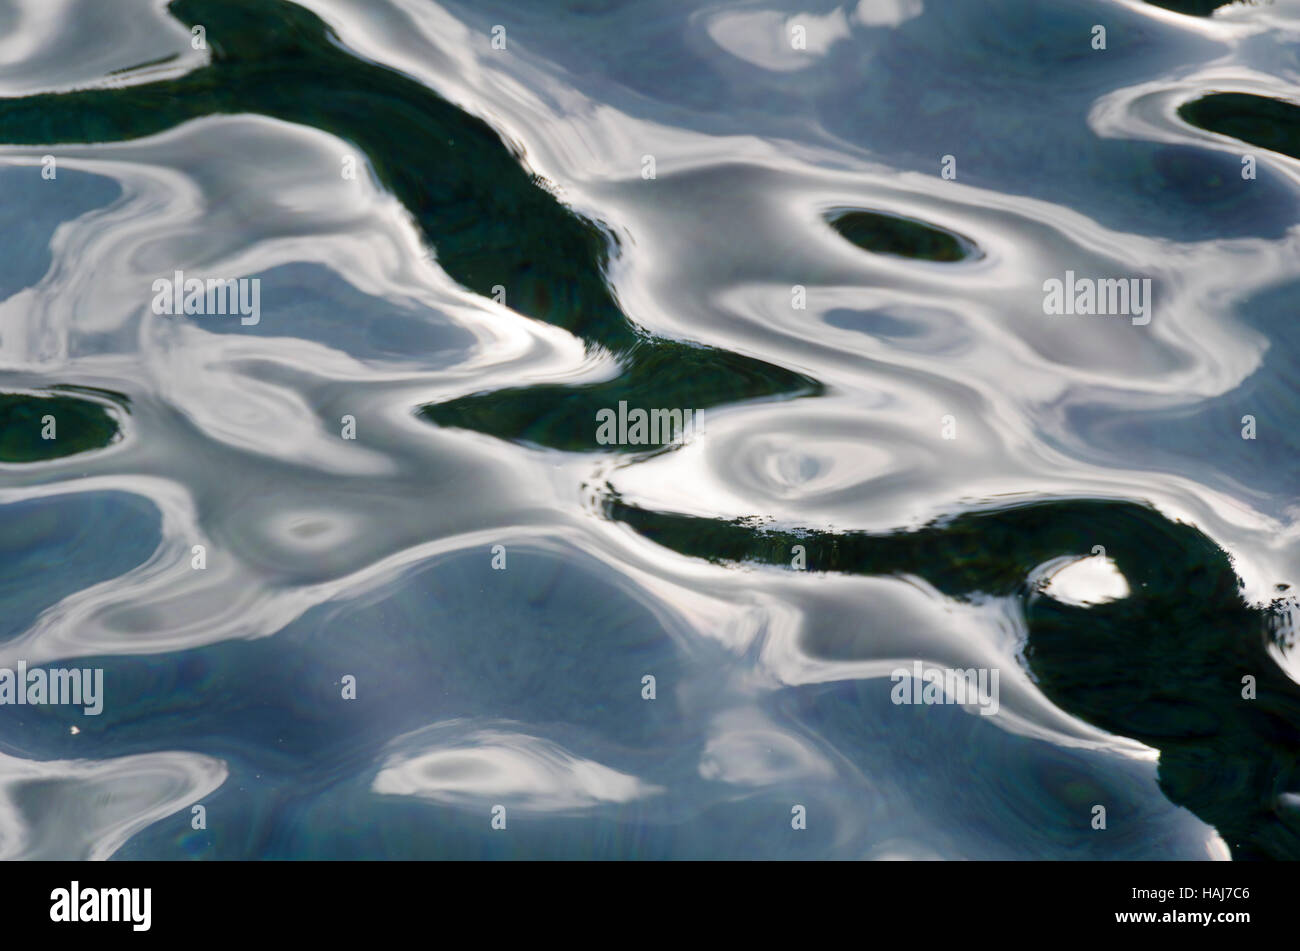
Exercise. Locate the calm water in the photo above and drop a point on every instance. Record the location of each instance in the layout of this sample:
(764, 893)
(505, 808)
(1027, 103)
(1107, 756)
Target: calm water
(359, 564)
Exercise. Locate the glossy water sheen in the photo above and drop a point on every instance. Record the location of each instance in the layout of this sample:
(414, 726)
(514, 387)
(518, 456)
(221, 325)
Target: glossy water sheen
(498, 272)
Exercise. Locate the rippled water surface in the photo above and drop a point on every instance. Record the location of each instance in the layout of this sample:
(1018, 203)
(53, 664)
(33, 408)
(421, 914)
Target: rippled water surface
(366, 577)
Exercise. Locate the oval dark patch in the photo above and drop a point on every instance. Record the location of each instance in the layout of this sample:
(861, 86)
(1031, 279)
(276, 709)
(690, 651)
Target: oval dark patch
(78, 426)
(901, 237)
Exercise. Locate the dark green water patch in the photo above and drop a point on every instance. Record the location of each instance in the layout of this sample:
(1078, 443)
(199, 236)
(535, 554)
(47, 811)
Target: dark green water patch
(1196, 8)
(663, 375)
(75, 425)
(1164, 665)
(488, 219)
(1268, 123)
(901, 237)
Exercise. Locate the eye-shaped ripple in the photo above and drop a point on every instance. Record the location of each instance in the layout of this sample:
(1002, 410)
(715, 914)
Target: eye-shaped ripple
(901, 237)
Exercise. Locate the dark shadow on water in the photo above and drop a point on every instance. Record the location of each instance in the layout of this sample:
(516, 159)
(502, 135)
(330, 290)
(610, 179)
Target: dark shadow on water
(901, 237)
(1196, 8)
(1268, 123)
(1163, 665)
(76, 425)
